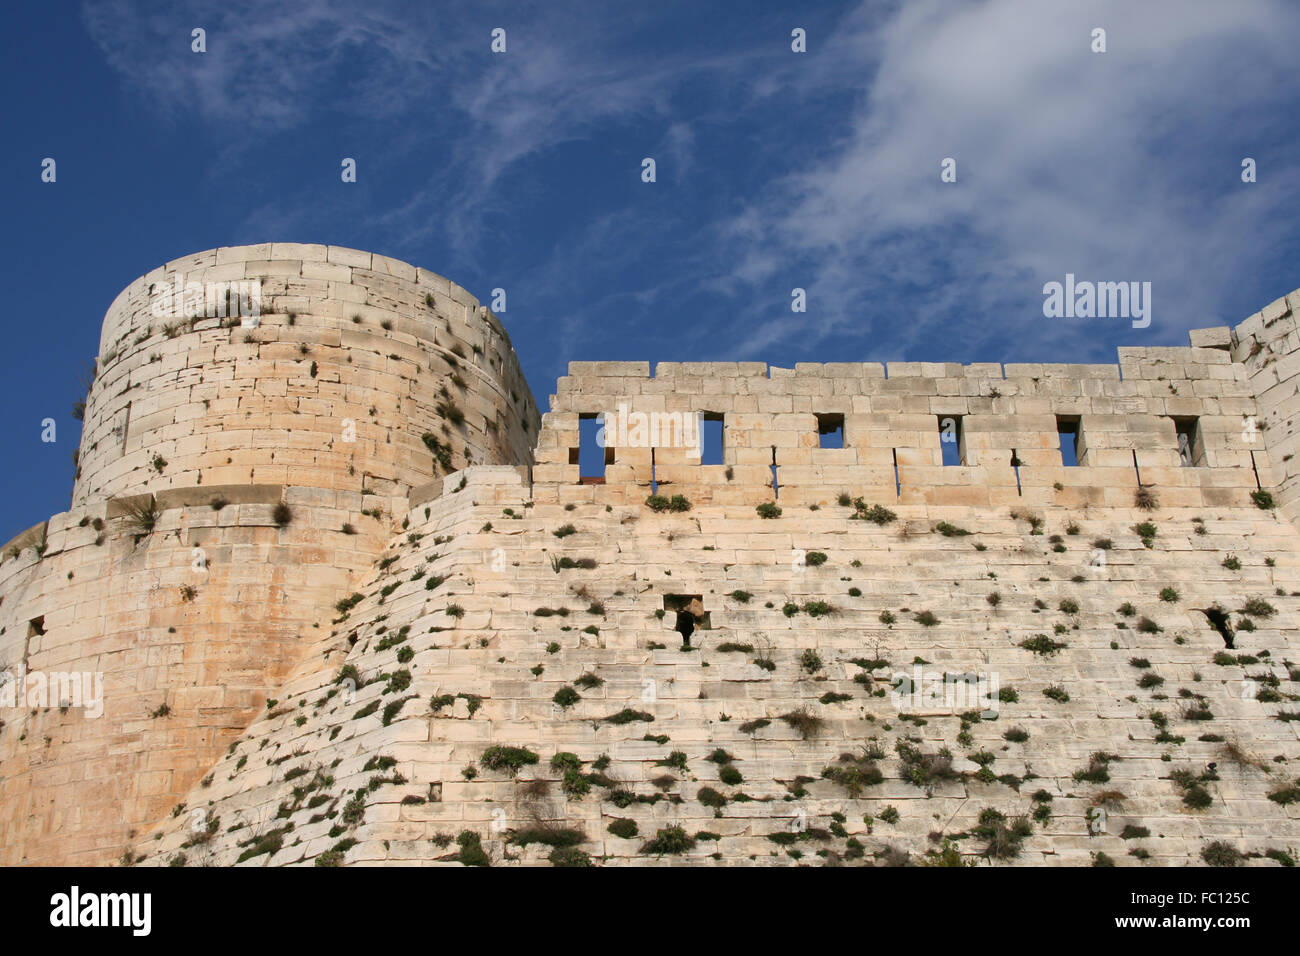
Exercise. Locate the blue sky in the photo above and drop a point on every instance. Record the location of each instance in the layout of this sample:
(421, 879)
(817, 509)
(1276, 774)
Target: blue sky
(775, 170)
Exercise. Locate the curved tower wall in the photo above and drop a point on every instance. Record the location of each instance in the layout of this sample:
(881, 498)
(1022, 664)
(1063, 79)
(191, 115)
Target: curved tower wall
(344, 372)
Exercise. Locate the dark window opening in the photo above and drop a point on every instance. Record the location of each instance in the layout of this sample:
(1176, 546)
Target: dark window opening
(898, 484)
(1067, 429)
(688, 613)
(1219, 621)
(776, 489)
(951, 441)
(1015, 464)
(830, 430)
(711, 439)
(1191, 450)
(592, 453)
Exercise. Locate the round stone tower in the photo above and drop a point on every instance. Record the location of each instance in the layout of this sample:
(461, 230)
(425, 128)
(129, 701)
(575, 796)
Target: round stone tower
(359, 372)
(259, 417)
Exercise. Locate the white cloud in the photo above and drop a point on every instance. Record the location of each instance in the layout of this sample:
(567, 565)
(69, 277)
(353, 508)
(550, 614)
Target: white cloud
(1122, 165)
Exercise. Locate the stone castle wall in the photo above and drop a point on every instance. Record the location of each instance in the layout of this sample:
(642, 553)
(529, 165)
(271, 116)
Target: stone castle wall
(502, 622)
(1267, 346)
(190, 645)
(334, 683)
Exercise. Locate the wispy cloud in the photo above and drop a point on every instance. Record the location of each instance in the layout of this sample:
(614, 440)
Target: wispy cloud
(477, 116)
(267, 66)
(777, 170)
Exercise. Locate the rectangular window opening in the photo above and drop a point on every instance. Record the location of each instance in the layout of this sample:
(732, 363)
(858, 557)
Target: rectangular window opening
(1191, 449)
(951, 441)
(1067, 429)
(591, 455)
(830, 430)
(711, 439)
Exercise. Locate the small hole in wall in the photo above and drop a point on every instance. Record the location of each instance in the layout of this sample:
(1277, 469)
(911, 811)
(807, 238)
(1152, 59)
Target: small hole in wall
(830, 430)
(36, 626)
(688, 614)
(1219, 621)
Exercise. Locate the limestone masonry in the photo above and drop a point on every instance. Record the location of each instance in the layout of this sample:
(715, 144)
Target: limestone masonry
(354, 600)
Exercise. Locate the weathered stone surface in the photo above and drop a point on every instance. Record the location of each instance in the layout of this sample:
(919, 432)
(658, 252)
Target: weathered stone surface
(285, 618)
(1219, 337)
